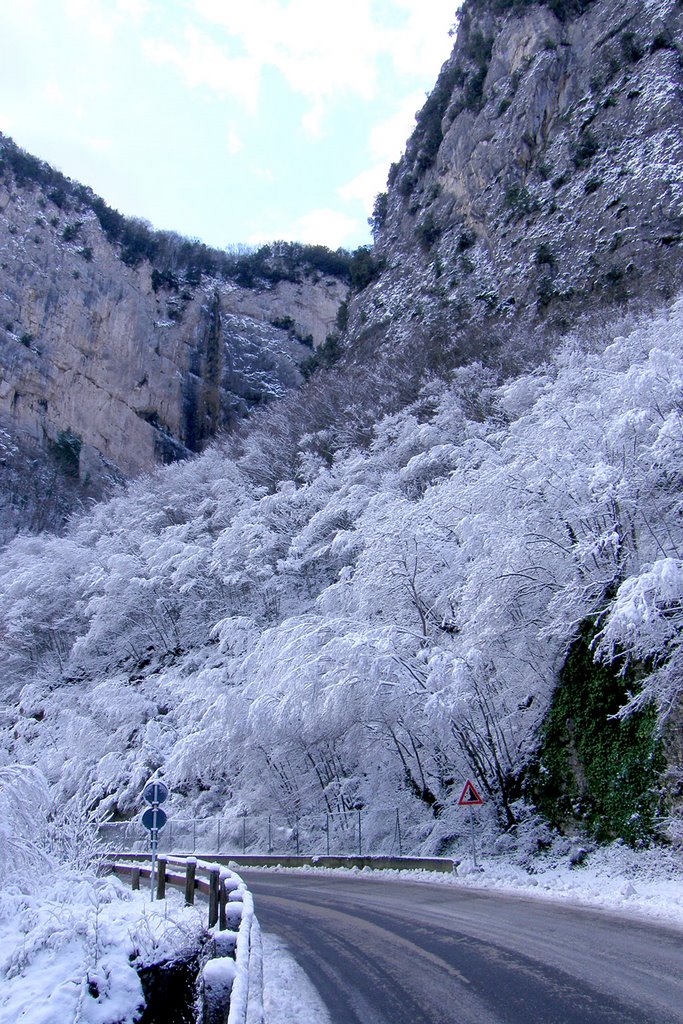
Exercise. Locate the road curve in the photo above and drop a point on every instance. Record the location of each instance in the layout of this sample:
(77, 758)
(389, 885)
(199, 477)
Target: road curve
(393, 952)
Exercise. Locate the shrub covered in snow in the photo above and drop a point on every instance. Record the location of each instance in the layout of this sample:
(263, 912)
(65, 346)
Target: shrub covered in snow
(388, 622)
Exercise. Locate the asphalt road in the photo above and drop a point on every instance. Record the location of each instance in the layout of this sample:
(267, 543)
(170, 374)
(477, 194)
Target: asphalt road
(394, 952)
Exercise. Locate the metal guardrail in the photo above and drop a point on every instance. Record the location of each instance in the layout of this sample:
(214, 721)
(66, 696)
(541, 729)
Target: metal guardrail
(441, 865)
(230, 904)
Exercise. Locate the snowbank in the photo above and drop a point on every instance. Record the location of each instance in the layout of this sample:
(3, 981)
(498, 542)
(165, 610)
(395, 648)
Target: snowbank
(70, 952)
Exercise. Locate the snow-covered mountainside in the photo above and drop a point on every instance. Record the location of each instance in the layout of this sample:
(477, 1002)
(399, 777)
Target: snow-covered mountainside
(455, 550)
(387, 623)
(543, 181)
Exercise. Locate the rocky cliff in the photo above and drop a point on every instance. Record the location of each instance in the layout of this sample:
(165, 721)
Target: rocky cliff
(544, 180)
(543, 183)
(114, 360)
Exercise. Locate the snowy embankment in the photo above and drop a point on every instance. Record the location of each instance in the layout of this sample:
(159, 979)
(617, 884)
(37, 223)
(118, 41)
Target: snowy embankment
(75, 947)
(72, 950)
(615, 878)
(288, 995)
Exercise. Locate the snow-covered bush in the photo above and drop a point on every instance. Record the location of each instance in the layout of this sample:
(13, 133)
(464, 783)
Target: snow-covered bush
(24, 810)
(387, 623)
(72, 942)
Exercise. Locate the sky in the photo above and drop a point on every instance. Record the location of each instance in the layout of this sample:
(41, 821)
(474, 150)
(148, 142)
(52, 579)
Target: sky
(231, 121)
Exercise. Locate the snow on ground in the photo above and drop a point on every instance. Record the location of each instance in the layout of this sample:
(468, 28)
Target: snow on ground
(647, 883)
(65, 955)
(640, 883)
(288, 995)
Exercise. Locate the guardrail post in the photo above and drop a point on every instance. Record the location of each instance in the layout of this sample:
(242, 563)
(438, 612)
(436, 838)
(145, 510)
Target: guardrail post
(135, 878)
(214, 885)
(190, 868)
(223, 898)
(161, 878)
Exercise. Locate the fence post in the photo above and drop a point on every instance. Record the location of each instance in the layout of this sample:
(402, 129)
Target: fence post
(270, 836)
(397, 834)
(194, 834)
(327, 829)
(360, 836)
(223, 899)
(190, 868)
(296, 833)
(214, 885)
(244, 833)
(135, 878)
(161, 878)
(218, 842)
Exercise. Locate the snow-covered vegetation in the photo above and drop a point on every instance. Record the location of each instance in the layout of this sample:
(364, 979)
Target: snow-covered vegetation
(72, 943)
(383, 625)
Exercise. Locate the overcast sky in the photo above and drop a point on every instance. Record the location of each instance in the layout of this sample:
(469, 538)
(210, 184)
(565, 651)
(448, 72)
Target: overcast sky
(227, 120)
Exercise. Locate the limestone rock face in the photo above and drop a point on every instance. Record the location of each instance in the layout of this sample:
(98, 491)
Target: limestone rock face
(544, 180)
(118, 372)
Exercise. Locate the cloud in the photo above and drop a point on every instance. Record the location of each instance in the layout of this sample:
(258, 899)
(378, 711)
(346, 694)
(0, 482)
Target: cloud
(421, 43)
(203, 62)
(388, 137)
(264, 174)
(234, 142)
(53, 93)
(386, 142)
(317, 227)
(317, 51)
(135, 9)
(325, 54)
(98, 21)
(312, 120)
(365, 186)
(99, 144)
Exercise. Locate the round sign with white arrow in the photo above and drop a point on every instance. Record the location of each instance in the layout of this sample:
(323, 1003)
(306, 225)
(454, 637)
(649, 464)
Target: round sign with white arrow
(154, 819)
(155, 792)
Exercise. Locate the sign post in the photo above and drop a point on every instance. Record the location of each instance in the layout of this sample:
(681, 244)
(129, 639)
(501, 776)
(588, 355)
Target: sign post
(470, 798)
(154, 819)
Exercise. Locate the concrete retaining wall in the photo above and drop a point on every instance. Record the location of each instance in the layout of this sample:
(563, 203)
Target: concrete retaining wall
(443, 865)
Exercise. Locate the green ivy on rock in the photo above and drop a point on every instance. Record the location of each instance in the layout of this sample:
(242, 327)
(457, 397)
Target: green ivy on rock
(593, 769)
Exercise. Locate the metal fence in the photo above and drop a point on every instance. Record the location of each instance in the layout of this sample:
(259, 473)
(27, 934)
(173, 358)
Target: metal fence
(349, 833)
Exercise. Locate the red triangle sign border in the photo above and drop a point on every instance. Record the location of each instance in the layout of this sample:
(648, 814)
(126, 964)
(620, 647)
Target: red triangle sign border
(469, 796)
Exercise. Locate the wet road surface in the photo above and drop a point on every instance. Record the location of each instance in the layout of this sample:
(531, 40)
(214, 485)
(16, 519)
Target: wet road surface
(392, 952)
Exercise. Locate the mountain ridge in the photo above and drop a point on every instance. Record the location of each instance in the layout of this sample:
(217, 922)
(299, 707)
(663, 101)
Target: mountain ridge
(542, 181)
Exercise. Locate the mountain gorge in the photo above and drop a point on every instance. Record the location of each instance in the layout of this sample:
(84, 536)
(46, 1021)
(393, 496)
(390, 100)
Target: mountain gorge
(124, 348)
(455, 549)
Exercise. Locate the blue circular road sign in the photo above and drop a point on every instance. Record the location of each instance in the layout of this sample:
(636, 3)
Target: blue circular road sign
(154, 818)
(155, 792)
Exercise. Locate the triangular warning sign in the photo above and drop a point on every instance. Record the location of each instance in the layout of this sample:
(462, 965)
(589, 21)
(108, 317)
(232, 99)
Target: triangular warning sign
(469, 796)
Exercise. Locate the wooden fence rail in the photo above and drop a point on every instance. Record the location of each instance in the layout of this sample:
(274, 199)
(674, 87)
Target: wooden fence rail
(230, 907)
(221, 886)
